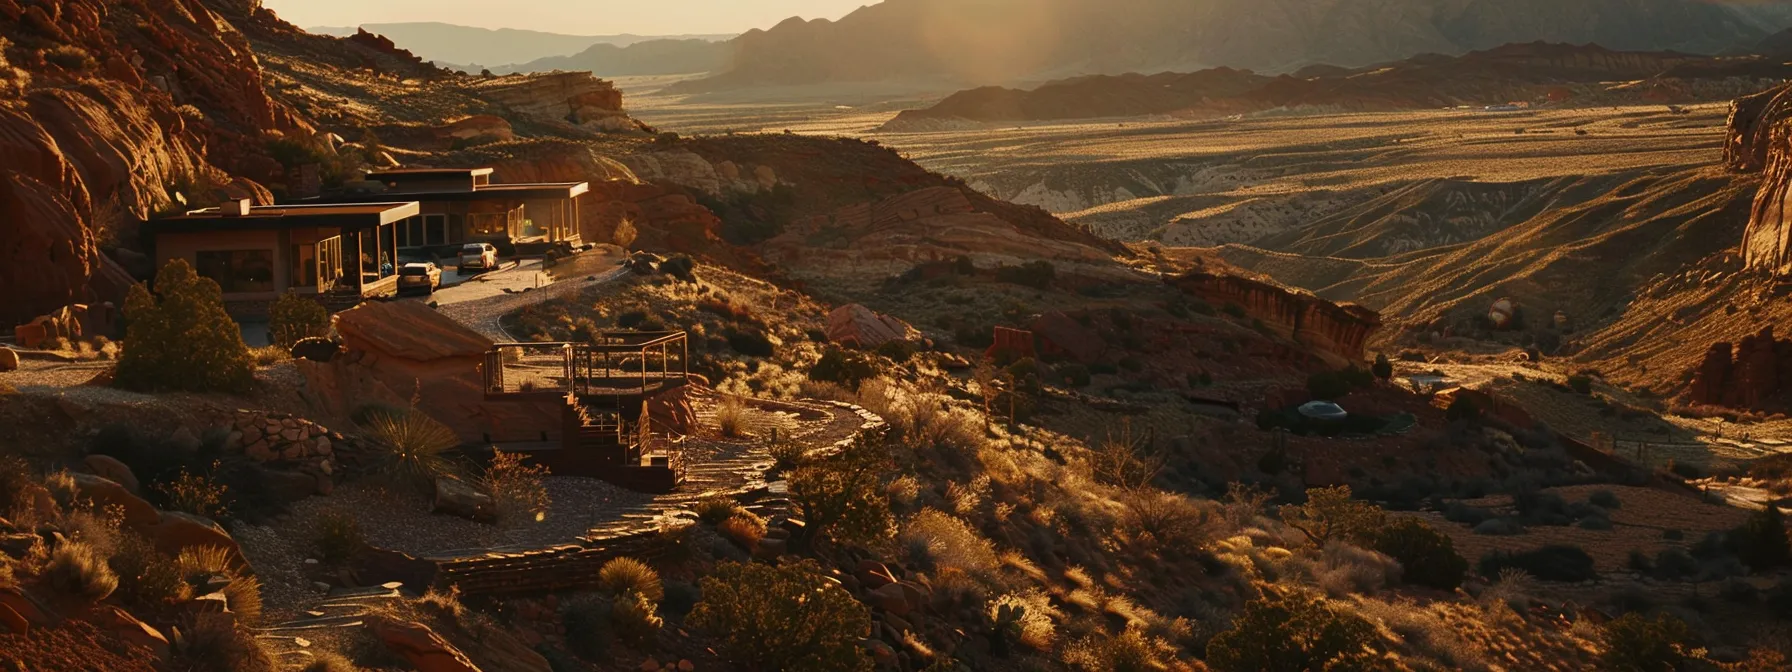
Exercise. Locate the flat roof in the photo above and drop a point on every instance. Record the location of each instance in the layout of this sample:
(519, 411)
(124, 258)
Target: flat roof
(484, 192)
(429, 172)
(341, 215)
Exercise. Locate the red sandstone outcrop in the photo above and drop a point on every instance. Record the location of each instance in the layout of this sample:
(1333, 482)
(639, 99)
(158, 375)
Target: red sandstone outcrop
(862, 327)
(1336, 332)
(1746, 375)
(578, 98)
(104, 133)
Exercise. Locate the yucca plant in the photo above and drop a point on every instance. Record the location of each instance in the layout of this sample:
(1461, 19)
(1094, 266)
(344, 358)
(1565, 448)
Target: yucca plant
(413, 449)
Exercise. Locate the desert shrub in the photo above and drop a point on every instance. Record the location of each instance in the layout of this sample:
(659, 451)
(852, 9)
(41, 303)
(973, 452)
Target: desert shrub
(628, 575)
(218, 645)
(1605, 499)
(1130, 651)
(517, 488)
(1166, 521)
(1457, 512)
(1292, 632)
(1639, 561)
(752, 343)
(1761, 541)
(1023, 619)
(635, 619)
(293, 318)
(1580, 384)
(1635, 643)
(1330, 514)
(743, 528)
(1427, 557)
(198, 564)
(1035, 274)
(789, 617)
(843, 367)
(716, 508)
(1120, 460)
(899, 352)
(412, 449)
(146, 578)
(731, 417)
(788, 455)
(842, 497)
(939, 540)
(329, 661)
(1072, 375)
(681, 267)
(681, 598)
(589, 628)
(1568, 564)
(269, 355)
(179, 338)
(336, 538)
(1382, 368)
(198, 494)
(15, 476)
(1674, 564)
(78, 572)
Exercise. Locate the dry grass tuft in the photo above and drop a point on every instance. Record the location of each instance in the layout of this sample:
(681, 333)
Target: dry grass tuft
(1036, 613)
(937, 539)
(732, 418)
(715, 509)
(79, 572)
(413, 448)
(622, 576)
(744, 528)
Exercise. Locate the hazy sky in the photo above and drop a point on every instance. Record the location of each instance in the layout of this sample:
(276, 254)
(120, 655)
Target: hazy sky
(579, 17)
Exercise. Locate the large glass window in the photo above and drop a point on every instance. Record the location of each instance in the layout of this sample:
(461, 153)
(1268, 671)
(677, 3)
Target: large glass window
(238, 271)
(457, 229)
(435, 229)
(410, 232)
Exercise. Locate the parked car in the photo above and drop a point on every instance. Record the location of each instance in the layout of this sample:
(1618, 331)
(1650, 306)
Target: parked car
(481, 256)
(424, 277)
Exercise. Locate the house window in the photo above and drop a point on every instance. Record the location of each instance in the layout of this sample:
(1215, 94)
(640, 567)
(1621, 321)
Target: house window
(304, 266)
(410, 233)
(457, 229)
(238, 271)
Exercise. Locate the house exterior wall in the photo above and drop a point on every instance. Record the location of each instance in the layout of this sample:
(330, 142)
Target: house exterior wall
(187, 246)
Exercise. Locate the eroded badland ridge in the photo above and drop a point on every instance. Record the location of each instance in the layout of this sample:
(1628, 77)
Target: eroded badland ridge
(1439, 385)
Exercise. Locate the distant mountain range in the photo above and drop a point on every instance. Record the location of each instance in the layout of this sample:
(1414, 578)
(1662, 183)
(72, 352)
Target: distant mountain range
(652, 57)
(1524, 74)
(467, 47)
(979, 42)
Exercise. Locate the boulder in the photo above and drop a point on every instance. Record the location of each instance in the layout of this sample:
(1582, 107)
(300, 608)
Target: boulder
(105, 493)
(456, 498)
(316, 349)
(177, 531)
(130, 630)
(9, 360)
(857, 326)
(891, 598)
(420, 646)
(27, 609)
(287, 487)
(109, 468)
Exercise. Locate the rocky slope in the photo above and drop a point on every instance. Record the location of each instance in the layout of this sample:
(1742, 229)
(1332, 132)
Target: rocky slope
(1541, 73)
(1005, 41)
(114, 111)
(1757, 142)
(652, 57)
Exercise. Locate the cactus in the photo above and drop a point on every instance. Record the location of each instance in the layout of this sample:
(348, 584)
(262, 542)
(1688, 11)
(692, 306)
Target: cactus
(1007, 628)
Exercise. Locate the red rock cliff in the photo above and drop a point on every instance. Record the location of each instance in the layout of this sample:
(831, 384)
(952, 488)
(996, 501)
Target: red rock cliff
(1336, 332)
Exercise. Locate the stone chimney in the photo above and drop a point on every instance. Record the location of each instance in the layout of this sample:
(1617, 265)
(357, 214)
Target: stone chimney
(235, 207)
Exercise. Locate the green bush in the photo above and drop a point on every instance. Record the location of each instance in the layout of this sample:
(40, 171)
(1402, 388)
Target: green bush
(1427, 556)
(790, 617)
(1292, 632)
(1330, 514)
(843, 367)
(1035, 274)
(751, 343)
(1568, 564)
(1383, 368)
(716, 508)
(843, 498)
(1761, 541)
(635, 619)
(180, 338)
(1635, 643)
(147, 579)
(293, 318)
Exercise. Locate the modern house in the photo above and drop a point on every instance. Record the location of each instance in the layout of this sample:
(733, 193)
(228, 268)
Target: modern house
(258, 253)
(461, 205)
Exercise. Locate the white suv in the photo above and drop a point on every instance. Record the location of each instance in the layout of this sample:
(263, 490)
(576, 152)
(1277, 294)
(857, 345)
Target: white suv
(481, 256)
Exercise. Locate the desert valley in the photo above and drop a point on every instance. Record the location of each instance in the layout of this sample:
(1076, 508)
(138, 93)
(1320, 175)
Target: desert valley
(943, 335)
